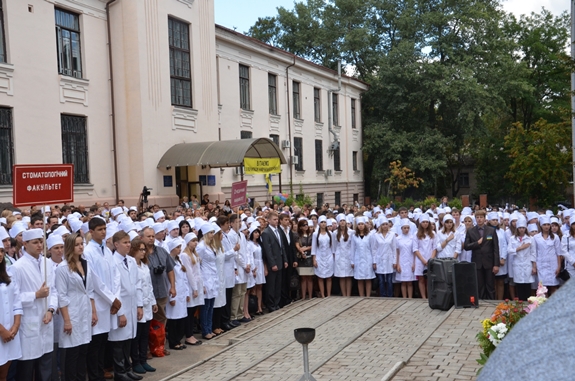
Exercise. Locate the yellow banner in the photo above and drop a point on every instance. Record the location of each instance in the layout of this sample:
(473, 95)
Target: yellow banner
(262, 166)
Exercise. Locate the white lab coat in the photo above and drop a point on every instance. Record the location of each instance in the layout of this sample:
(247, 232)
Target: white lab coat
(425, 247)
(57, 318)
(11, 305)
(509, 261)
(547, 251)
(502, 239)
(229, 262)
(323, 254)
(404, 243)
(180, 309)
(209, 270)
(451, 248)
(258, 263)
(362, 257)
(384, 252)
(36, 338)
(148, 298)
(241, 256)
(195, 282)
(129, 285)
(568, 251)
(104, 270)
(522, 260)
(73, 294)
(342, 250)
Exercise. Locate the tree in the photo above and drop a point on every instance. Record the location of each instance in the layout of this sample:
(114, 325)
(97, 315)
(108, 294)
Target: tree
(400, 179)
(541, 160)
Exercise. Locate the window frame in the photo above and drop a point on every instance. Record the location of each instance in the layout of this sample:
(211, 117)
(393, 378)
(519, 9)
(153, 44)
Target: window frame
(81, 175)
(3, 52)
(337, 198)
(318, 155)
(353, 113)
(296, 96)
(177, 94)
(6, 137)
(298, 151)
(245, 104)
(275, 138)
(354, 160)
(319, 196)
(317, 104)
(246, 134)
(337, 160)
(70, 71)
(335, 109)
(463, 180)
(273, 94)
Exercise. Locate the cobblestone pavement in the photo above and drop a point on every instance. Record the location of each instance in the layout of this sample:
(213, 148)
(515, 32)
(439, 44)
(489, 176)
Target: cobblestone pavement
(356, 339)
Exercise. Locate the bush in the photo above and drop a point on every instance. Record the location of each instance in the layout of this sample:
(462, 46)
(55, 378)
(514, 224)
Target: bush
(428, 201)
(383, 201)
(456, 203)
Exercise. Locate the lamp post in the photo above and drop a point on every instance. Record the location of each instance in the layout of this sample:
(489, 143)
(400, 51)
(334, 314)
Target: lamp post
(304, 336)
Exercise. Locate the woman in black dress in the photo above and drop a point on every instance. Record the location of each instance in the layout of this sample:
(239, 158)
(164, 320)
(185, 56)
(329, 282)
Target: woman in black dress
(303, 240)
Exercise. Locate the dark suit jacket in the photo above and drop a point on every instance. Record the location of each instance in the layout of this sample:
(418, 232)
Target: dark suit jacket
(273, 254)
(485, 255)
(290, 247)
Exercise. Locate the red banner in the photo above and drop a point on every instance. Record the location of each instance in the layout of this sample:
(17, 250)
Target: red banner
(41, 184)
(239, 193)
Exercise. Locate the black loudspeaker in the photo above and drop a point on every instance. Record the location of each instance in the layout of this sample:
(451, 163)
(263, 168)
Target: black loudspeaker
(440, 283)
(465, 292)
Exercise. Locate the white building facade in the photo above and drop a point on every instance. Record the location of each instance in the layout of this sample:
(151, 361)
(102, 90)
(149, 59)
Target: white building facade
(167, 75)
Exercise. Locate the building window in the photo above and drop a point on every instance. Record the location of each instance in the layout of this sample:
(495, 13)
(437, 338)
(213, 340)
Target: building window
(275, 139)
(6, 142)
(298, 152)
(319, 200)
(68, 43)
(180, 72)
(336, 160)
(319, 155)
(244, 87)
(355, 198)
(353, 125)
(296, 100)
(316, 105)
(338, 198)
(464, 180)
(245, 134)
(354, 160)
(3, 57)
(335, 110)
(75, 146)
(272, 93)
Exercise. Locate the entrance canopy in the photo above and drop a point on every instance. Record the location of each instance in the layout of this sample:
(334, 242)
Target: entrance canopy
(226, 153)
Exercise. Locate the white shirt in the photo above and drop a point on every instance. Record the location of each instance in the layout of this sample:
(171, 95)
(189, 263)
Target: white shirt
(10, 305)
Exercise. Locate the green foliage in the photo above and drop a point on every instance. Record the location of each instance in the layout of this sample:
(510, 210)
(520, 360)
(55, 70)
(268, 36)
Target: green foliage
(455, 203)
(300, 199)
(428, 201)
(384, 200)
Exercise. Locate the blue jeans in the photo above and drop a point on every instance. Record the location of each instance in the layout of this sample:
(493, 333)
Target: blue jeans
(206, 315)
(385, 284)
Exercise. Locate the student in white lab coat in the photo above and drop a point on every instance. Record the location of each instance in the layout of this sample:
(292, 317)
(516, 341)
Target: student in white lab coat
(101, 262)
(209, 271)
(74, 282)
(55, 246)
(34, 277)
(341, 239)
(494, 221)
(177, 308)
(448, 241)
(548, 249)
(129, 286)
(384, 251)
(362, 260)
(405, 260)
(191, 261)
(524, 262)
(139, 347)
(322, 254)
(425, 248)
(10, 318)
(568, 247)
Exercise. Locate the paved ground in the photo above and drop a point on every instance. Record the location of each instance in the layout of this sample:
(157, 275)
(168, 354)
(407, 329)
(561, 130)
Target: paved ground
(356, 339)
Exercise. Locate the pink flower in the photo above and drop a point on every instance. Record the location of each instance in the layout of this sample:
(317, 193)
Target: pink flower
(541, 290)
(531, 307)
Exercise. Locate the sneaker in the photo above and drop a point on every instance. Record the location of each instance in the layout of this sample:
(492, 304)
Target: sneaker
(139, 369)
(148, 368)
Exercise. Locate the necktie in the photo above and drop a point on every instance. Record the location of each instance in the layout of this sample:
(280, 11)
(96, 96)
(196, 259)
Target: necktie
(102, 247)
(278, 237)
(126, 262)
(481, 232)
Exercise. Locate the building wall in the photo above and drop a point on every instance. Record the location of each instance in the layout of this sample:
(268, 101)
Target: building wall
(147, 124)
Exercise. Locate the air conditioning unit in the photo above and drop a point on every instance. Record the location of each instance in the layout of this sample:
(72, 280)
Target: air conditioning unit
(329, 172)
(295, 160)
(286, 144)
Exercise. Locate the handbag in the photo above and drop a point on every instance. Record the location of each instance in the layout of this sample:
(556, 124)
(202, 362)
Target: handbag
(563, 273)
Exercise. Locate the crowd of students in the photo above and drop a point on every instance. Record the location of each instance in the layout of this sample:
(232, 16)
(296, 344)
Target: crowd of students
(82, 296)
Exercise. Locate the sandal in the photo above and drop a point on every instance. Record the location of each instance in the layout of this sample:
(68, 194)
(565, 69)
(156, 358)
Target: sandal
(198, 342)
(209, 336)
(178, 347)
(218, 331)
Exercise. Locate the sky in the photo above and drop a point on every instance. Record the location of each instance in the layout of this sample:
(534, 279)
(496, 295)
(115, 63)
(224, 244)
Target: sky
(242, 14)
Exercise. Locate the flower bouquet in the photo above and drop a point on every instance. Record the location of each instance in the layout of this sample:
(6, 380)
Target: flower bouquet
(505, 316)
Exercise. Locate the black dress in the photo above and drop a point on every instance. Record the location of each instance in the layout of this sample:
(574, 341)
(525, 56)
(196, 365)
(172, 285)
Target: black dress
(304, 241)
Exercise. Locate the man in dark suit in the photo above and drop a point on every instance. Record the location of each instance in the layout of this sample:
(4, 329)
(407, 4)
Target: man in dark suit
(484, 245)
(275, 258)
(288, 242)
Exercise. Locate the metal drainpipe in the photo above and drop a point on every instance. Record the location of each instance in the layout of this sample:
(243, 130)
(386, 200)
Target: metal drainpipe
(289, 126)
(329, 103)
(110, 2)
